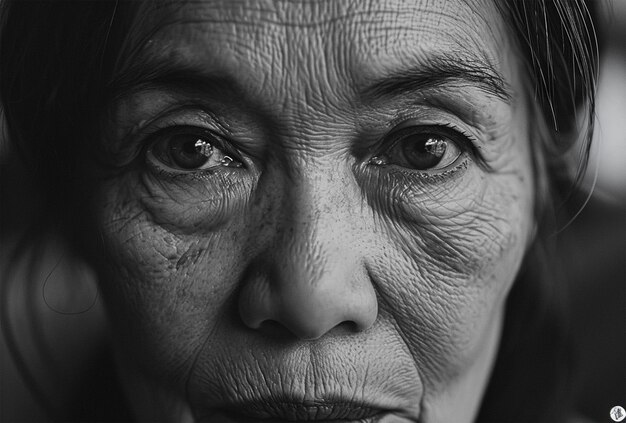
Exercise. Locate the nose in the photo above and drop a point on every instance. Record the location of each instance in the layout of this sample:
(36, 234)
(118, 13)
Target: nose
(312, 278)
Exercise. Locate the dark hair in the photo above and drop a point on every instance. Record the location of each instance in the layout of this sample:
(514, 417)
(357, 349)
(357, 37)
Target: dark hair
(60, 59)
(532, 380)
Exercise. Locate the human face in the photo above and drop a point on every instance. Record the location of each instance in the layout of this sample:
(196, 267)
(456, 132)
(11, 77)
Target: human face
(353, 255)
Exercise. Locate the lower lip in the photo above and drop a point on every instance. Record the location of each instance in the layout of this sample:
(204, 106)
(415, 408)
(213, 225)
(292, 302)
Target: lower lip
(223, 417)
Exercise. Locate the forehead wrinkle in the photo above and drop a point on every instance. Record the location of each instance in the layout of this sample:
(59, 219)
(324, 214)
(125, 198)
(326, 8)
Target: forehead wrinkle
(302, 14)
(318, 15)
(345, 53)
(270, 34)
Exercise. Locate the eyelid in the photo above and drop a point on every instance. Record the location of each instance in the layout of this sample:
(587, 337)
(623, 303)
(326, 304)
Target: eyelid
(195, 118)
(465, 140)
(448, 129)
(223, 143)
(180, 116)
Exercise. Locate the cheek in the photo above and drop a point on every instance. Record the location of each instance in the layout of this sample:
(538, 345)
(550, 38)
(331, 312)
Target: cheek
(449, 260)
(165, 287)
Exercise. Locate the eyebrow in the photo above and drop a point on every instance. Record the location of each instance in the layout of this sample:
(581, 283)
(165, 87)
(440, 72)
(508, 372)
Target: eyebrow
(439, 71)
(151, 73)
(155, 72)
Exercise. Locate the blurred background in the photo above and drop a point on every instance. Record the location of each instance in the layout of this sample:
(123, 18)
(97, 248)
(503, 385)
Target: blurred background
(596, 258)
(593, 248)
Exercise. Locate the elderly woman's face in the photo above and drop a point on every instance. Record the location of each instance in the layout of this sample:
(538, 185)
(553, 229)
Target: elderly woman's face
(326, 206)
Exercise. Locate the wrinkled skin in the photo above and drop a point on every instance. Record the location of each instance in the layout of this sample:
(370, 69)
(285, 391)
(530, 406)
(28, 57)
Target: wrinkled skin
(312, 274)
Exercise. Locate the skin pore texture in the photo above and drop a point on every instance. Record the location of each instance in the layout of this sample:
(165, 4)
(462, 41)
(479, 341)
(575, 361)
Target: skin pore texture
(321, 277)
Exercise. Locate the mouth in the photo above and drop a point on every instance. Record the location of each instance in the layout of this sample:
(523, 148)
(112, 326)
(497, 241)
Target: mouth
(272, 411)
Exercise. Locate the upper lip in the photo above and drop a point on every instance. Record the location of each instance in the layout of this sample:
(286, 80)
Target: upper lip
(303, 410)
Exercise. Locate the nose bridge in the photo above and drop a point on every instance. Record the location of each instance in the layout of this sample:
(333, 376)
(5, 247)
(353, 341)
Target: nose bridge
(314, 273)
(313, 229)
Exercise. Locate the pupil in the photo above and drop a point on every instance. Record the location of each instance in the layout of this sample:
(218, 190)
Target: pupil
(187, 151)
(435, 146)
(189, 148)
(424, 153)
(203, 148)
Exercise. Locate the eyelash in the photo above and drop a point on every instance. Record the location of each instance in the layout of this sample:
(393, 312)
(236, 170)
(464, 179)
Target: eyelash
(470, 143)
(151, 134)
(464, 140)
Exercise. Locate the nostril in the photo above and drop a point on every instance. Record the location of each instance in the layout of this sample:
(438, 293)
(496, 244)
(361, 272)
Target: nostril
(348, 326)
(275, 329)
(341, 329)
(290, 330)
(279, 330)
(305, 304)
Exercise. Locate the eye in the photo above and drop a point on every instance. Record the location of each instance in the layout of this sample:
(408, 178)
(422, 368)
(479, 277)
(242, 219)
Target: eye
(423, 148)
(189, 149)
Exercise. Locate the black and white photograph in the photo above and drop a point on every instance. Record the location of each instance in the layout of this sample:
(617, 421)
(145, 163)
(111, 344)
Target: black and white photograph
(321, 211)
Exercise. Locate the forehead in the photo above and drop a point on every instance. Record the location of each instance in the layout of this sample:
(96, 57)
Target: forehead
(352, 40)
